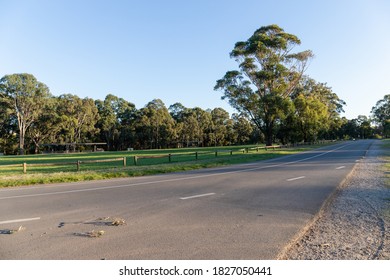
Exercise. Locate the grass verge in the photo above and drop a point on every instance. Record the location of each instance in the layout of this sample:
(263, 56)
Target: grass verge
(10, 177)
(386, 148)
(386, 157)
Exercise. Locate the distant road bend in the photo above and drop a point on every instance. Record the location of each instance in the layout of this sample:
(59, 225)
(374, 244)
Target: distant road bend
(246, 211)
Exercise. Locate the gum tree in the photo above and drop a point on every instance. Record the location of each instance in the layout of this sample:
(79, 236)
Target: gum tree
(316, 110)
(269, 73)
(25, 96)
(381, 114)
(114, 112)
(78, 118)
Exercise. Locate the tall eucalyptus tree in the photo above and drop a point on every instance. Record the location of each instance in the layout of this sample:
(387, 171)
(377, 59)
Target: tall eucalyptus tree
(25, 96)
(269, 73)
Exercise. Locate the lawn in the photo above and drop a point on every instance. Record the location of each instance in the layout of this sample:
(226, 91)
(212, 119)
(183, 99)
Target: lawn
(94, 166)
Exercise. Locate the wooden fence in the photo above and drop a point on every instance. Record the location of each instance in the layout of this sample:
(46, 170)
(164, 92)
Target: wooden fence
(77, 163)
(136, 159)
(196, 155)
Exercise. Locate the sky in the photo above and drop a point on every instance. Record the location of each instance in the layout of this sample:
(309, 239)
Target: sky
(176, 50)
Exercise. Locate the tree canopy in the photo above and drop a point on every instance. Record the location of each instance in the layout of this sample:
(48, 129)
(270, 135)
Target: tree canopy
(269, 73)
(25, 99)
(381, 114)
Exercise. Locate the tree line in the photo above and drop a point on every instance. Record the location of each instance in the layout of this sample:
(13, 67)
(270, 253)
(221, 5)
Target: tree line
(274, 100)
(31, 117)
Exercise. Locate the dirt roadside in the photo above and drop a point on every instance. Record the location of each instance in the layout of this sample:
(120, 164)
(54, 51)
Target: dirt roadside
(355, 225)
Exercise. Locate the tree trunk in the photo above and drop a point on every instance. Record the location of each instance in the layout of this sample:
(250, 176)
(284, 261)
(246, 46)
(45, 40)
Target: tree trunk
(22, 132)
(268, 141)
(269, 131)
(108, 139)
(21, 142)
(36, 143)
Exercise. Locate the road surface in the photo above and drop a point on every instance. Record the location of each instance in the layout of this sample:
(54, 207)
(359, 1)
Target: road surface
(246, 211)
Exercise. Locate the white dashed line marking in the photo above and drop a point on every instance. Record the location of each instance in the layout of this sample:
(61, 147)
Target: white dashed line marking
(19, 220)
(196, 196)
(296, 178)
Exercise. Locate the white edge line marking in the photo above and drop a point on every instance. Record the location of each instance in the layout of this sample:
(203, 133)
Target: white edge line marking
(340, 167)
(171, 180)
(196, 196)
(19, 220)
(296, 178)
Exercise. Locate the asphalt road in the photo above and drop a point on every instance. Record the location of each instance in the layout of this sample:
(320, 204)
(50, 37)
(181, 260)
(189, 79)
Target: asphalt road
(247, 211)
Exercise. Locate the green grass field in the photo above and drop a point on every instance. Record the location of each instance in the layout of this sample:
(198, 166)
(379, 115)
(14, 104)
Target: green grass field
(158, 163)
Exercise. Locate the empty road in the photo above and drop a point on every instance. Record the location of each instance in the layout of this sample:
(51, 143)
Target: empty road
(246, 211)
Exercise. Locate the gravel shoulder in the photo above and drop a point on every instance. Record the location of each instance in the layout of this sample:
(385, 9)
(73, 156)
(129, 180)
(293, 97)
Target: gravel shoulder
(355, 223)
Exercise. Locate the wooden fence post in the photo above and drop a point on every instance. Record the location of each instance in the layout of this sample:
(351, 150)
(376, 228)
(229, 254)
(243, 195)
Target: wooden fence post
(135, 160)
(124, 161)
(196, 155)
(24, 168)
(78, 165)
(169, 157)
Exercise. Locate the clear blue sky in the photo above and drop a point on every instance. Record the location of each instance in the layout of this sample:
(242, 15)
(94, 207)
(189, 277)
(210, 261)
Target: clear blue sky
(176, 50)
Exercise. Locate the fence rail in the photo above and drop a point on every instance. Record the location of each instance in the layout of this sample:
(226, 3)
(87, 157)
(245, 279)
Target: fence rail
(12, 165)
(102, 160)
(170, 156)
